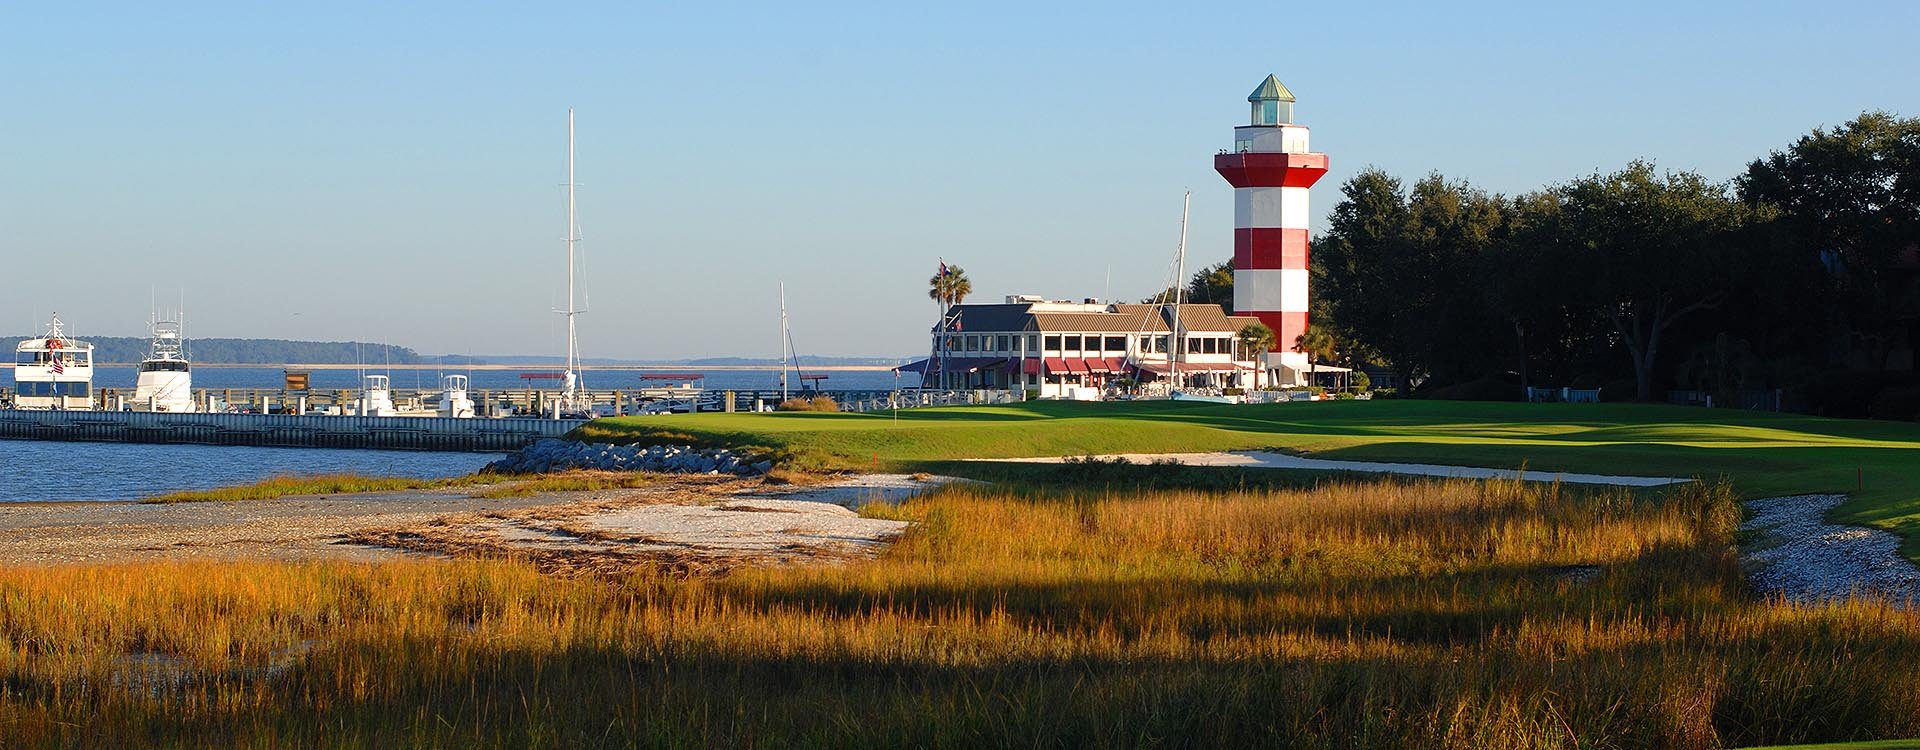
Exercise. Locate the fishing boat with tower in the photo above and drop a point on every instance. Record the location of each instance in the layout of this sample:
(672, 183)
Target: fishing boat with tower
(165, 381)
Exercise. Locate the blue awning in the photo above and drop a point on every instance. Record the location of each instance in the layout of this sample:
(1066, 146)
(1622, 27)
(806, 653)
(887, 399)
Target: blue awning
(953, 364)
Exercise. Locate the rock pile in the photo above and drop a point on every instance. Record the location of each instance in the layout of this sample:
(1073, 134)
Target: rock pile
(553, 454)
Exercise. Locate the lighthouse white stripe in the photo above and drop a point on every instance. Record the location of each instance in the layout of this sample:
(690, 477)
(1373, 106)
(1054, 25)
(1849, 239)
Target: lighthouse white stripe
(1257, 290)
(1270, 208)
(1293, 290)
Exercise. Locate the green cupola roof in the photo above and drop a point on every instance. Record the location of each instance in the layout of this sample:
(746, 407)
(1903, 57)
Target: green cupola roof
(1271, 90)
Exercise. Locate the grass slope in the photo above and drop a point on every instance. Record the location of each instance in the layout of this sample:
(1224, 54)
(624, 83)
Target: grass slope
(1877, 463)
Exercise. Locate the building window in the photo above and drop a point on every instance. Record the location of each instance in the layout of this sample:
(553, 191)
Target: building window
(1033, 342)
(1072, 344)
(1117, 344)
(1001, 344)
(1053, 343)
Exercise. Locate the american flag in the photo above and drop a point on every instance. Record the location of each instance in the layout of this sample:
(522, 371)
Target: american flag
(58, 366)
(943, 266)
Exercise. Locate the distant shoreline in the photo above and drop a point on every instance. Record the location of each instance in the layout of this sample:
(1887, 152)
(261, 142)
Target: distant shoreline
(526, 367)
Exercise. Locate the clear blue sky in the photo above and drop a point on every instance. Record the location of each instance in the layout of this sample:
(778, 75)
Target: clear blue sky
(335, 171)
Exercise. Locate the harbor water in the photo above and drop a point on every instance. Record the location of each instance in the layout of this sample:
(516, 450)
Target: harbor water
(206, 377)
(32, 470)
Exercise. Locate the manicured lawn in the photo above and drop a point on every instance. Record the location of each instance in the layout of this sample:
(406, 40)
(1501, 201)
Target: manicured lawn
(1877, 463)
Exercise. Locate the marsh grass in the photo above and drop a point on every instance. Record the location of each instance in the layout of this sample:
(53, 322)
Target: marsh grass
(1349, 613)
(287, 485)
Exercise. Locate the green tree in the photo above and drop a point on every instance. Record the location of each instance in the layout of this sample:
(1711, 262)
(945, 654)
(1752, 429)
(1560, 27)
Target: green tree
(1212, 285)
(1402, 272)
(949, 288)
(1317, 343)
(1644, 251)
(1259, 339)
(1848, 210)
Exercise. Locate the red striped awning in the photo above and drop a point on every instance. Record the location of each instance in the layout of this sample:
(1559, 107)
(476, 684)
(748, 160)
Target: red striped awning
(1077, 366)
(1096, 365)
(1056, 366)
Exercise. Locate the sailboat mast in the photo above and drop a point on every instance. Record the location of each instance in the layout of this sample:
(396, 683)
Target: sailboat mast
(786, 341)
(573, 236)
(1179, 348)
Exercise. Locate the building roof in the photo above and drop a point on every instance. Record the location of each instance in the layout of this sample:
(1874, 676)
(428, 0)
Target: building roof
(1271, 90)
(1119, 318)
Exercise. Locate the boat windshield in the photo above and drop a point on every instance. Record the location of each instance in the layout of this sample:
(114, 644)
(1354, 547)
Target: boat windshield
(68, 358)
(164, 366)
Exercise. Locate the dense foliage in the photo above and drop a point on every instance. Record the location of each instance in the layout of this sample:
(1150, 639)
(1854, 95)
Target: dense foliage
(1800, 277)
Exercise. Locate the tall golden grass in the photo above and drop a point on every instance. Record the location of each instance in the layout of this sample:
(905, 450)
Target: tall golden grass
(1355, 614)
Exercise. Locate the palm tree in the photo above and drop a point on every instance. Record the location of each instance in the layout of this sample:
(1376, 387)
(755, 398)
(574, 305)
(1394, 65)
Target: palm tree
(1259, 339)
(949, 287)
(1317, 343)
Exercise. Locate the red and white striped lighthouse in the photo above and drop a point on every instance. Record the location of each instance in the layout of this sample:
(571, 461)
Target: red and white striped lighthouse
(1270, 169)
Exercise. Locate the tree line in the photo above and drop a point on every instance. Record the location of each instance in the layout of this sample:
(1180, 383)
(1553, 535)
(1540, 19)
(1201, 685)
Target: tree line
(251, 351)
(1800, 275)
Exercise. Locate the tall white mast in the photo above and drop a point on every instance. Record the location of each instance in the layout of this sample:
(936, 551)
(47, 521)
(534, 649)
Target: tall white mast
(571, 380)
(1179, 348)
(786, 339)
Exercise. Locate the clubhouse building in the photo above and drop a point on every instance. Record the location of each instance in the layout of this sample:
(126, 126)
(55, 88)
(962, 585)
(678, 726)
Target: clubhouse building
(1089, 350)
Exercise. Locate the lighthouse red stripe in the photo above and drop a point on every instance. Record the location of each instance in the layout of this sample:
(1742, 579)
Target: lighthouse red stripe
(1258, 169)
(1269, 248)
(1287, 326)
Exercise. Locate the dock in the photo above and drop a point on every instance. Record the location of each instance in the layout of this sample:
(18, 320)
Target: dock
(282, 430)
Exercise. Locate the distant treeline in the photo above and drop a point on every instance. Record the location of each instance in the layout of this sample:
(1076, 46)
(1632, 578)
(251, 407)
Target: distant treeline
(252, 351)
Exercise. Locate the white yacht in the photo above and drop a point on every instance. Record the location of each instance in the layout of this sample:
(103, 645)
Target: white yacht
(377, 398)
(53, 371)
(454, 401)
(166, 378)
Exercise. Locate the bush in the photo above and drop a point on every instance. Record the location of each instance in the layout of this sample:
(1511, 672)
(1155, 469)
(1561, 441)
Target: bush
(1902, 403)
(1344, 396)
(1846, 393)
(1380, 393)
(1484, 389)
(1619, 390)
(1233, 391)
(1588, 381)
(817, 403)
(1361, 381)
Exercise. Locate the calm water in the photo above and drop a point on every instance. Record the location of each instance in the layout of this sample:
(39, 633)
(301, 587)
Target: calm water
(42, 470)
(272, 377)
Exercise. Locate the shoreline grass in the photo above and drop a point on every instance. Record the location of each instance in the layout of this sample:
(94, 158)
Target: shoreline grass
(1340, 613)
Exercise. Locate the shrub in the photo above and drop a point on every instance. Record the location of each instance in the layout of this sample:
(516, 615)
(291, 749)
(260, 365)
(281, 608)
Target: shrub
(1588, 381)
(1623, 389)
(1901, 403)
(1361, 381)
(1380, 393)
(824, 403)
(1484, 389)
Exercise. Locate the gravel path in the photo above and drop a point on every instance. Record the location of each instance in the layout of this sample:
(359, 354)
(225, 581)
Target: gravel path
(1807, 560)
(1271, 460)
